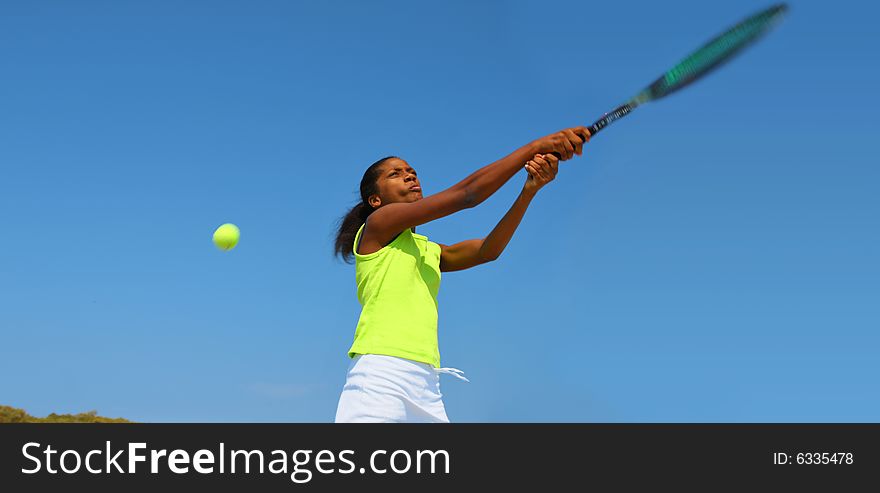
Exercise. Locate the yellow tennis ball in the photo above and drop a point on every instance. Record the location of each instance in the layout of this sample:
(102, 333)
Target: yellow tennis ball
(226, 236)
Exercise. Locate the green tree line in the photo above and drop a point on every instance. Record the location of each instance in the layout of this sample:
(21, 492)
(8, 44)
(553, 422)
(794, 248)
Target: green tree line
(10, 414)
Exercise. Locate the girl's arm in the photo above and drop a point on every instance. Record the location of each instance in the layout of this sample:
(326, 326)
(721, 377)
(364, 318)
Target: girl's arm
(487, 180)
(388, 221)
(470, 253)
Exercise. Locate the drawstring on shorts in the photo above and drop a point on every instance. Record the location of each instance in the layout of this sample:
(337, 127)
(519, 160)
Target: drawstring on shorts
(455, 372)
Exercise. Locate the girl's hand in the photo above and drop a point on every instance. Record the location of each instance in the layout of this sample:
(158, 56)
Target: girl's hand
(565, 143)
(542, 170)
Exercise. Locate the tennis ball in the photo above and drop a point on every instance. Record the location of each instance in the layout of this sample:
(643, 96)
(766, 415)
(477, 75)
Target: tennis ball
(226, 236)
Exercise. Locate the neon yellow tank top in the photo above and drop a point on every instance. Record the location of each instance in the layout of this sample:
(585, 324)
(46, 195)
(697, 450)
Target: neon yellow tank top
(397, 288)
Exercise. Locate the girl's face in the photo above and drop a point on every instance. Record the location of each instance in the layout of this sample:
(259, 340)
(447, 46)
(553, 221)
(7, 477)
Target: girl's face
(397, 183)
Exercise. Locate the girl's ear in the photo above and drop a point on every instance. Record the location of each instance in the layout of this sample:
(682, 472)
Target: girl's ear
(375, 201)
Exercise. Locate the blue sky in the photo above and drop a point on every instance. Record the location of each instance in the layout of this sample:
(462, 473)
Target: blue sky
(711, 258)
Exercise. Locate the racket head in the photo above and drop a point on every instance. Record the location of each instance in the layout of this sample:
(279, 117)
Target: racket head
(713, 54)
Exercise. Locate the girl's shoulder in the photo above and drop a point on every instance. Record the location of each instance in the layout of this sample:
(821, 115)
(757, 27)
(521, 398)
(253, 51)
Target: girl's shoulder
(366, 244)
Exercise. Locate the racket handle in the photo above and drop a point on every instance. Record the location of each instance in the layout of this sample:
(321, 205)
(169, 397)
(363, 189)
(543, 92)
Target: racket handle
(616, 114)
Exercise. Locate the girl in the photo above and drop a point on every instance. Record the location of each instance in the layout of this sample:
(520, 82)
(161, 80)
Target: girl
(394, 371)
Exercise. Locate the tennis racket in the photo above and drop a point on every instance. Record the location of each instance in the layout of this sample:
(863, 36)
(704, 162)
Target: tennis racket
(712, 55)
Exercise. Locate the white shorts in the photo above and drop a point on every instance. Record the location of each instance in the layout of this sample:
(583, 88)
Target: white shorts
(388, 389)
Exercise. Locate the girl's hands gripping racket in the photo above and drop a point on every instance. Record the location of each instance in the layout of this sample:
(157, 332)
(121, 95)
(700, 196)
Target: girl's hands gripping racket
(542, 170)
(564, 144)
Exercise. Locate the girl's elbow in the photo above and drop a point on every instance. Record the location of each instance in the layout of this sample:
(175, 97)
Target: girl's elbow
(490, 257)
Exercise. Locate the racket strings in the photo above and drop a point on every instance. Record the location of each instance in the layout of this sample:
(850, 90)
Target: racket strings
(716, 52)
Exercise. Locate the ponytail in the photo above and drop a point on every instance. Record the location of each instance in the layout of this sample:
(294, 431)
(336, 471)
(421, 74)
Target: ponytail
(357, 215)
(348, 228)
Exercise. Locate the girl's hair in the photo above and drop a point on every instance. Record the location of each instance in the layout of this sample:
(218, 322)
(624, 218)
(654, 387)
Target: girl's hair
(357, 215)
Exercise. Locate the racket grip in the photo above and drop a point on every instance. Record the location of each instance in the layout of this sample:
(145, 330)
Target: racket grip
(617, 113)
(603, 122)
